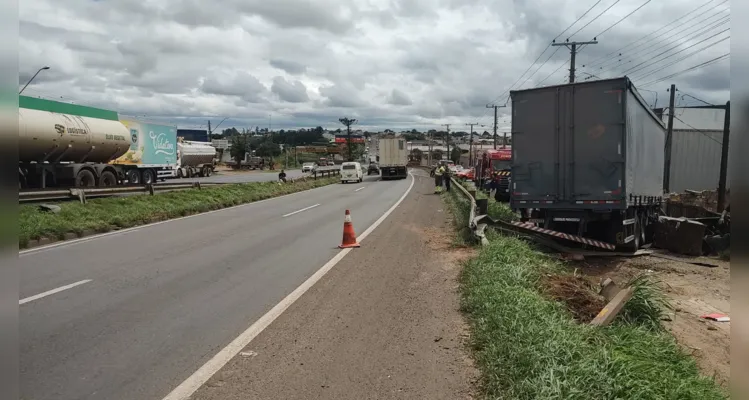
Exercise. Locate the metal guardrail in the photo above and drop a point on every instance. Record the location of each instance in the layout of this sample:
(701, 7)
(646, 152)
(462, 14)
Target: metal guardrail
(475, 222)
(84, 193)
(326, 171)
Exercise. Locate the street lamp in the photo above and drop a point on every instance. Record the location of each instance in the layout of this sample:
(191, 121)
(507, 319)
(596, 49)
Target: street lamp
(32, 78)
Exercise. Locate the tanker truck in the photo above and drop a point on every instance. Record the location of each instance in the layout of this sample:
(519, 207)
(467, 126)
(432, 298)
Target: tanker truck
(194, 158)
(69, 145)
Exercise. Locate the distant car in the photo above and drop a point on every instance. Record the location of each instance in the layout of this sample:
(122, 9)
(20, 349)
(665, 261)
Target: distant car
(309, 167)
(331, 162)
(373, 168)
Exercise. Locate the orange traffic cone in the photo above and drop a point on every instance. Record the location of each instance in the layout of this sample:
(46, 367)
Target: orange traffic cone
(349, 237)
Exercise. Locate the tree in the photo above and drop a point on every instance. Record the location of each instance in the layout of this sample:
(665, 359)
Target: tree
(268, 149)
(240, 145)
(416, 155)
(437, 155)
(455, 155)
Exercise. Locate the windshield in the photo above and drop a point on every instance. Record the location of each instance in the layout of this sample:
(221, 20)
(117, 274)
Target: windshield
(307, 164)
(498, 165)
(349, 166)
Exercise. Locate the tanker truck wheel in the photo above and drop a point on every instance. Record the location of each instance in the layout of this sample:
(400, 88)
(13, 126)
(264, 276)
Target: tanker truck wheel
(133, 176)
(148, 176)
(85, 178)
(107, 178)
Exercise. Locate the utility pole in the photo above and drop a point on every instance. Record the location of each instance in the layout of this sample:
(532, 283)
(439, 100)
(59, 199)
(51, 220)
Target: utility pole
(470, 145)
(724, 160)
(669, 137)
(348, 122)
(495, 122)
(447, 140)
(573, 52)
(209, 128)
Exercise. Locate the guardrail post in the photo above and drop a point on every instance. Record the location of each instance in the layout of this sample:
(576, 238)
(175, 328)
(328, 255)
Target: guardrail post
(314, 174)
(149, 188)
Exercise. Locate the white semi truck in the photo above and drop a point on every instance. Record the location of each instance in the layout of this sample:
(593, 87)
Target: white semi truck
(392, 158)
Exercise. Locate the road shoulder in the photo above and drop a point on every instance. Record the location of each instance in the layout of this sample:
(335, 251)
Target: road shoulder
(384, 323)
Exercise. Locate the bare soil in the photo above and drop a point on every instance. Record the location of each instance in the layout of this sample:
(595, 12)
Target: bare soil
(382, 324)
(692, 291)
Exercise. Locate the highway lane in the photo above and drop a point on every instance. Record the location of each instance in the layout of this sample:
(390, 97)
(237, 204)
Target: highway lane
(163, 299)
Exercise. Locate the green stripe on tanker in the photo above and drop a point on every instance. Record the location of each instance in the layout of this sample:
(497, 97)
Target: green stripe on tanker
(34, 103)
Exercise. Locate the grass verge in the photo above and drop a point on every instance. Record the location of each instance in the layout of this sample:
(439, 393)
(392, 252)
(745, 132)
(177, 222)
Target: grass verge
(531, 346)
(106, 214)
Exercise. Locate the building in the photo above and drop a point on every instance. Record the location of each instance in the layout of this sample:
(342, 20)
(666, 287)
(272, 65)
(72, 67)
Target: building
(696, 148)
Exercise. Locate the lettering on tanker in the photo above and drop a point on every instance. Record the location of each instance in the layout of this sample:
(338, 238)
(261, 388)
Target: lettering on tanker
(161, 143)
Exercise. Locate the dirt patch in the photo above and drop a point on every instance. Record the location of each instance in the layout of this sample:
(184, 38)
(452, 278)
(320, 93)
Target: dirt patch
(577, 293)
(692, 291)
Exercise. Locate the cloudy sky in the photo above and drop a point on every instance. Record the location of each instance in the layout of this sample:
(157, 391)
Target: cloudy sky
(396, 64)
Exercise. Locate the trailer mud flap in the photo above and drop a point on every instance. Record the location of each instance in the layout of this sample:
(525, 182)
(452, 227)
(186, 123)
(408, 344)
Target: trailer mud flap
(561, 235)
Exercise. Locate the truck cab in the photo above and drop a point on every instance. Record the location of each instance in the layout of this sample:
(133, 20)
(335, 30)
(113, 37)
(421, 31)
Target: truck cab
(500, 172)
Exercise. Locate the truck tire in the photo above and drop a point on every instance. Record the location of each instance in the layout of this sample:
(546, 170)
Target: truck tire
(133, 176)
(208, 171)
(107, 179)
(148, 176)
(85, 178)
(180, 175)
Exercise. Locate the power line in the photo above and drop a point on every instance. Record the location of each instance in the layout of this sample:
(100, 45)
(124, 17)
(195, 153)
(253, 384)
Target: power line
(701, 41)
(664, 42)
(599, 60)
(701, 65)
(544, 51)
(698, 99)
(625, 17)
(683, 58)
(554, 72)
(700, 131)
(589, 22)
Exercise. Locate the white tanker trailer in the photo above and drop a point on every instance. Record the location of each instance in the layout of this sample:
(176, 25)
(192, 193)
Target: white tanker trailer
(66, 145)
(194, 158)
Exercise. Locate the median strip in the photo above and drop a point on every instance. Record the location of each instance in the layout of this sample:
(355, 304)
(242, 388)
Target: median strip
(37, 226)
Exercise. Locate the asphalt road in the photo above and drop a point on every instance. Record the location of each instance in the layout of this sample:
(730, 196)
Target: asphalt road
(153, 304)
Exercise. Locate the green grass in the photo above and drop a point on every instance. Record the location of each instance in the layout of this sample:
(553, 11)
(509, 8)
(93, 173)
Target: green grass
(102, 215)
(529, 346)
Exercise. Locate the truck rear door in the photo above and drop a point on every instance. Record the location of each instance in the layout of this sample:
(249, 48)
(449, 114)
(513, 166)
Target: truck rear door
(534, 146)
(592, 154)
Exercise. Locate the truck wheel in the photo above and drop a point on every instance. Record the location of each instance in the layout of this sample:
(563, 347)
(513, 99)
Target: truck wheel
(133, 176)
(85, 178)
(208, 171)
(148, 176)
(107, 178)
(179, 173)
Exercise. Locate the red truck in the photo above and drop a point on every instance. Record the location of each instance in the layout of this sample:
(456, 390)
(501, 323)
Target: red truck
(496, 168)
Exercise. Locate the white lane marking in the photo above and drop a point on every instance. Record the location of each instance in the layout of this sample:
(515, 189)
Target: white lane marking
(53, 291)
(205, 372)
(298, 211)
(359, 189)
(135, 228)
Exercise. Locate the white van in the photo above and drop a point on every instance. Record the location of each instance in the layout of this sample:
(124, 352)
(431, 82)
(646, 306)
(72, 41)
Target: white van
(351, 171)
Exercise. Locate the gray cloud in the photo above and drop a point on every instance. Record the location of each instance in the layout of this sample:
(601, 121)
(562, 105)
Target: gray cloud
(291, 67)
(293, 92)
(389, 63)
(399, 98)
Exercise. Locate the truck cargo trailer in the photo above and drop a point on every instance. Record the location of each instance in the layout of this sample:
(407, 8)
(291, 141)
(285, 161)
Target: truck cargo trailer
(69, 145)
(588, 160)
(392, 158)
(194, 159)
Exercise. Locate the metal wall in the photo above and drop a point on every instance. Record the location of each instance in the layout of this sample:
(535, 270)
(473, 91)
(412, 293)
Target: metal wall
(695, 160)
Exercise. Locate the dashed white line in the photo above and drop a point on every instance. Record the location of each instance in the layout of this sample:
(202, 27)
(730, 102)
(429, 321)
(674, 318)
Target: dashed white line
(205, 372)
(53, 291)
(298, 211)
(359, 189)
